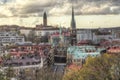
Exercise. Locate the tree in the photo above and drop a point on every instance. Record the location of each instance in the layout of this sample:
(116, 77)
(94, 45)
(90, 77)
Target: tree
(44, 38)
(44, 74)
(9, 72)
(2, 76)
(71, 73)
(31, 36)
(25, 37)
(104, 67)
(37, 40)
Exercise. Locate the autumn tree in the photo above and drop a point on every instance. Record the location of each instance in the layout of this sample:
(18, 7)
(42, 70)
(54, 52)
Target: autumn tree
(104, 67)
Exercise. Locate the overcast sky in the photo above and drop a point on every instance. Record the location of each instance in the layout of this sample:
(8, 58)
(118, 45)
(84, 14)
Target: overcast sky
(88, 13)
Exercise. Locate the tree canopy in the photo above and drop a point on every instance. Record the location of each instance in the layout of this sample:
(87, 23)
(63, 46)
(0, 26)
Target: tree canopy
(104, 67)
(31, 36)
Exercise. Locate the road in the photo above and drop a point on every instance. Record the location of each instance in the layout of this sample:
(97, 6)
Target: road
(58, 71)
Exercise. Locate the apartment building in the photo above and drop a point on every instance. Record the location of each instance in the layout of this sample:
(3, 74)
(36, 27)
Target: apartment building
(7, 38)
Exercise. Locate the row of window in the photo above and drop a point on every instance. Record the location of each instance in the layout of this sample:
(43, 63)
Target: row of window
(21, 64)
(11, 40)
(8, 34)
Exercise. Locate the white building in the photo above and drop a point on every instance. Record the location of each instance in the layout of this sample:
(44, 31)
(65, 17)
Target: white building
(84, 34)
(103, 34)
(96, 35)
(43, 32)
(38, 31)
(25, 30)
(7, 38)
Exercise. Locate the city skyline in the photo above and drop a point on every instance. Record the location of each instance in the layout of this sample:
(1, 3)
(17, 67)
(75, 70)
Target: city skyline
(88, 13)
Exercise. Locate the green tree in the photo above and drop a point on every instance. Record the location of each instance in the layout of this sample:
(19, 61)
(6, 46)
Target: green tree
(2, 75)
(45, 38)
(9, 73)
(37, 40)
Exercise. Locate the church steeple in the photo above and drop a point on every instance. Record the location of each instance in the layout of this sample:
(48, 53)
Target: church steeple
(73, 31)
(44, 19)
(73, 23)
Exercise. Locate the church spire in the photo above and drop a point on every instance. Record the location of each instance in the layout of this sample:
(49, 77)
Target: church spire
(73, 23)
(73, 31)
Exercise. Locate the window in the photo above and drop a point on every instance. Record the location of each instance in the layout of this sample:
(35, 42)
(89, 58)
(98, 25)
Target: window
(28, 63)
(74, 60)
(7, 35)
(78, 60)
(20, 63)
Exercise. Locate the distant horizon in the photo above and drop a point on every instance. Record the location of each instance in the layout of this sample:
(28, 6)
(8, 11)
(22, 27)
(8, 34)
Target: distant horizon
(82, 21)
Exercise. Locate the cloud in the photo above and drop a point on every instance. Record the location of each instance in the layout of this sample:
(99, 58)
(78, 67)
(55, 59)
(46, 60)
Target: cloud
(61, 10)
(21, 8)
(96, 7)
(35, 8)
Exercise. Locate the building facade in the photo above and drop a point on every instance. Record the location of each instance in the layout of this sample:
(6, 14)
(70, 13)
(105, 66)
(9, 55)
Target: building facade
(10, 38)
(78, 54)
(84, 34)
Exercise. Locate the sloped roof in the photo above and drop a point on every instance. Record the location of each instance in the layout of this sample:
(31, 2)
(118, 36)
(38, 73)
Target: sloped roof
(79, 52)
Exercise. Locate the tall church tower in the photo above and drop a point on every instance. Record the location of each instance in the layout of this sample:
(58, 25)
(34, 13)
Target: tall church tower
(44, 19)
(73, 23)
(73, 29)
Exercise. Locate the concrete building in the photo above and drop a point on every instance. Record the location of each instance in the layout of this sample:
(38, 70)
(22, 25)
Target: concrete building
(98, 35)
(7, 38)
(60, 38)
(47, 31)
(84, 34)
(103, 34)
(25, 30)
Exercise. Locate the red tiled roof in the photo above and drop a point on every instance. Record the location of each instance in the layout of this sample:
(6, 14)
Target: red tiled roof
(114, 50)
(83, 42)
(73, 66)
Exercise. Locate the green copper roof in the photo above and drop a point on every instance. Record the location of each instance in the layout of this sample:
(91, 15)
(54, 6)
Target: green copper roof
(82, 51)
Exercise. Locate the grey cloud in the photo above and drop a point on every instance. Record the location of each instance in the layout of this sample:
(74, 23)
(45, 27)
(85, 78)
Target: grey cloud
(2, 16)
(96, 7)
(82, 7)
(36, 7)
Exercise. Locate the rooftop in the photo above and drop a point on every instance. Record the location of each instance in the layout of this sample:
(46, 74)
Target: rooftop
(83, 51)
